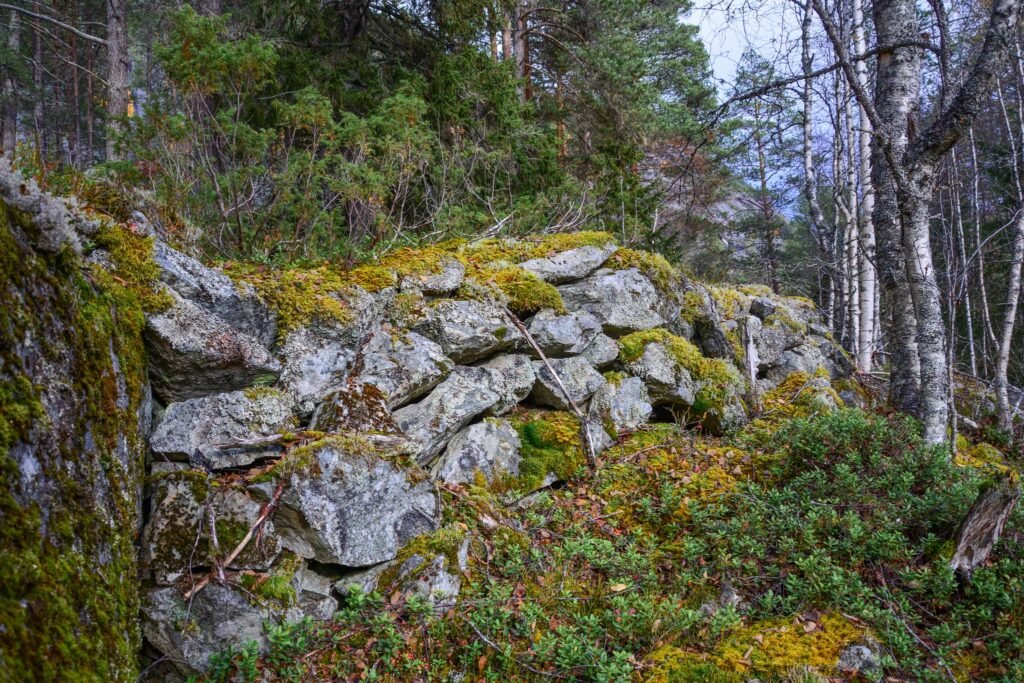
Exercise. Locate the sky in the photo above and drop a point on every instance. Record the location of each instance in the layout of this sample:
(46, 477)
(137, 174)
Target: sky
(727, 27)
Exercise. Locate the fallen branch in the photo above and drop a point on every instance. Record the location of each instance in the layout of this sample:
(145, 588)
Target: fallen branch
(265, 513)
(588, 441)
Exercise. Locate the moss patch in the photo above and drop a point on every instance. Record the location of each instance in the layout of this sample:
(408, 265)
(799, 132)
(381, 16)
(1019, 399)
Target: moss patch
(551, 444)
(775, 646)
(653, 266)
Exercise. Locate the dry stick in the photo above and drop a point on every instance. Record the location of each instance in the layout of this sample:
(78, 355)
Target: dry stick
(584, 423)
(268, 510)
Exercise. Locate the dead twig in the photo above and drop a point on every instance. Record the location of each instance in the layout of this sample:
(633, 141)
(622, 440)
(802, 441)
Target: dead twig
(265, 513)
(588, 440)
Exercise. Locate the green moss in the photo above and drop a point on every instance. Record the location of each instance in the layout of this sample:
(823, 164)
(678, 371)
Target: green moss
(277, 586)
(731, 303)
(414, 263)
(615, 377)
(371, 278)
(551, 444)
(68, 591)
(670, 664)
(782, 318)
(801, 395)
(257, 393)
(693, 307)
(654, 266)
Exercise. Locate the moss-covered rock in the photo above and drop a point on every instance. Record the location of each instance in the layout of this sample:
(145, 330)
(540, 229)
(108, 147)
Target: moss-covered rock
(74, 407)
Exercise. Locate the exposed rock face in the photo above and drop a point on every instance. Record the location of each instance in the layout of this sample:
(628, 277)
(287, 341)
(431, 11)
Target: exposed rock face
(356, 407)
(667, 381)
(190, 633)
(564, 335)
(623, 301)
(468, 330)
(573, 264)
(621, 405)
(195, 353)
(577, 377)
(447, 409)
(404, 367)
(490, 447)
(317, 361)
(223, 430)
(350, 505)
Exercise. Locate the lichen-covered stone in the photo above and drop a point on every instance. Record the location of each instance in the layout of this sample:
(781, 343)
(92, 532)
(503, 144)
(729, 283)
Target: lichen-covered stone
(510, 376)
(316, 362)
(667, 380)
(346, 502)
(601, 352)
(573, 264)
(356, 407)
(218, 617)
(563, 335)
(490, 447)
(213, 431)
(577, 377)
(194, 353)
(177, 539)
(236, 304)
(451, 406)
(621, 405)
(623, 301)
(468, 330)
(403, 366)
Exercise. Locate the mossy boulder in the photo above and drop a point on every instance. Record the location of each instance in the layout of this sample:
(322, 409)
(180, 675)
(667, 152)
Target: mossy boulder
(624, 301)
(74, 414)
(468, 330)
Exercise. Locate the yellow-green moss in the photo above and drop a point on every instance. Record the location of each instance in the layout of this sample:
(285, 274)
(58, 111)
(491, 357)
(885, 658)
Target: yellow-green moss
(670, 664)
(526, 293)
(692, 308)
(801, 395)
(730, 302)
(714, 375)
(407, 262)
(134, 267)
(498, 250)
(981, 456)
(371, 278)
(551, 444)
(777, 645)
(299, 296)
(654, 266)
(444, 542)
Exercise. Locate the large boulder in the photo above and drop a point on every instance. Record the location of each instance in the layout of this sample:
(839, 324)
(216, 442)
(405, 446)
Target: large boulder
(316, 362)
(490, 447)
(668, 380)
(236, 304)
(573, 264)
(348, 501)
(623, 301)
(193, 353)
(621, 405)
(177, 539)
(448, 408)
(564, 335)
(577, 377)
(510, 376)
(468, 330)
(188, 632)
(403, 366)
(223, 430)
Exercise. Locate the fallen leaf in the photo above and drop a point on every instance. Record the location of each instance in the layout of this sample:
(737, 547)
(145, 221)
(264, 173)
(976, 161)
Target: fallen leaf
(618, 587)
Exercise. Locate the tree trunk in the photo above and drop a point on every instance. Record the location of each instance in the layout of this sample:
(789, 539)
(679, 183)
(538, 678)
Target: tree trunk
(983, 526)
(866, 266)
(118, 69)
(895, 101)
(9, 122)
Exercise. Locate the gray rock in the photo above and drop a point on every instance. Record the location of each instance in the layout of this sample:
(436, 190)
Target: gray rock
(448, 408)
(490, 447)
(578, 378)
(188, 633)
(621, 405)
(601, 352)
(773, 340)
(803, 358)
(573, 264)
(762, 307)
(668, 382)
(404, 367)
(563, 335)
(623, 301)
(193, 353)
(511, 376)
(177, 538)
(353, 505)
(356, 407)
(202, 430)
(445, 281)
(236, 304)
(860, 658)
(433, 579)
(316, 362)
(468, 330)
